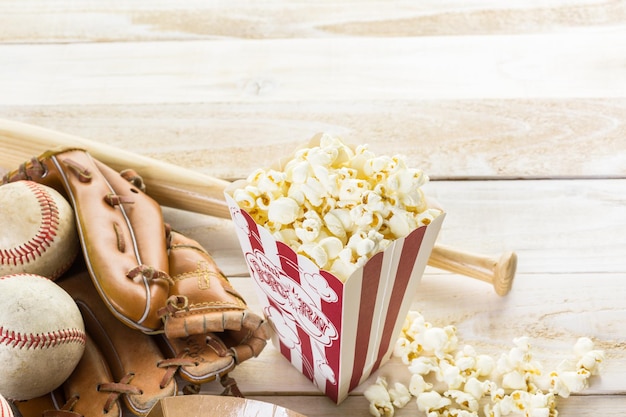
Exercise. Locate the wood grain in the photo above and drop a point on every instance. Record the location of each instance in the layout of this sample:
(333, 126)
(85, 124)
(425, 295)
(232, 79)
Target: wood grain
(572, 407)
(76, 21)
(516, 138)
(517, 111)
(248, 71)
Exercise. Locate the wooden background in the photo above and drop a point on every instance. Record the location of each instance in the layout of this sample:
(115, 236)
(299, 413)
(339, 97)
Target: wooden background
(517, 111)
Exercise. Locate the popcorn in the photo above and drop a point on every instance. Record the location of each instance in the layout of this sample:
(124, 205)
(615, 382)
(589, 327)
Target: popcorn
(465, 400)
(363, 200)
(588, 358)
(379, 398)
(431, 401)
(513, 385)
(283, 210)
(399, 395)
(418, 385)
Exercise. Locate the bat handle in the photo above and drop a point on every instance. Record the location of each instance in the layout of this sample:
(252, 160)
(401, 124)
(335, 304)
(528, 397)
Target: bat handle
(499, 272)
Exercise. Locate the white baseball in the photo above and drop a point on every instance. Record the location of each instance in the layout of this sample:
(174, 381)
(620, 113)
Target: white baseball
(5, 408)
(37, 230)
(42, 336)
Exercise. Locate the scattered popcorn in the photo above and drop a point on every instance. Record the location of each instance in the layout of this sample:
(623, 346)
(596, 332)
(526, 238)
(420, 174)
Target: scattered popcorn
(430, 401)
(331, 191)
(400, 395)
(513, 385)
(379, 398)
(418, 385)
(465, 400)
(588, 358)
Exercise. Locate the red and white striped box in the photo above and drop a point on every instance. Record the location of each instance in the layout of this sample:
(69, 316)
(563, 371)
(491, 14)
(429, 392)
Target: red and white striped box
(335, 333)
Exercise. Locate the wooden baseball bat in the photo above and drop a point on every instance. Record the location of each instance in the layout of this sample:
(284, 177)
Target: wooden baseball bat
(177, 187)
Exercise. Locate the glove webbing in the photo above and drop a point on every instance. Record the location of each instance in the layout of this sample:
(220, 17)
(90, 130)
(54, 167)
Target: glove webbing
(24, 172)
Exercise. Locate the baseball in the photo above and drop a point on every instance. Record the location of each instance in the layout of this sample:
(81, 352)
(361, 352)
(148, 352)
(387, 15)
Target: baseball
(42, 336)
(37, 230)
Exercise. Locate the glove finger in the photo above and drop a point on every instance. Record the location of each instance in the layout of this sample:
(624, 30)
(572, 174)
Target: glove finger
(132, 356)
(202, 300)
(202, 358)
(85, 393)
(39, 169)
(120, 229)
(245, 344)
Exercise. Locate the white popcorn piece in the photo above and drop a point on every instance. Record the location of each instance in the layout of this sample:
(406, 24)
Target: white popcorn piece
(379, 167)
(453, 339)
(574, 381)
(352, 190)
(399, 395)
(424, 365)
(297, 171)
(314, 252)
(541, 400)
(283, 210)
(271, 182)
(418, 385)
(314, 192)
(429, 401)
(435, 341)
(339, 222)
(380, 401)
(405, 349)
(466, 364)
(341, 267)
(476, 388)
(592, 361)
(463, 399)
(496, 394)
(450, 374)
(505, 406)
(485, 365)
(513, 380)
(417, 327)
(245, 197)
(309, 230)
(400, 224)
(588, 358)
(323, 252)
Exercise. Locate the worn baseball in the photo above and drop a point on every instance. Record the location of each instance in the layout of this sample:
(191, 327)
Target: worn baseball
(37, 230)
(42, 336)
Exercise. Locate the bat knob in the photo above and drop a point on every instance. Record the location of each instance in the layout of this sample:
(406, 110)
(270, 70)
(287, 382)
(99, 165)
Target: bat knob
(504, 273)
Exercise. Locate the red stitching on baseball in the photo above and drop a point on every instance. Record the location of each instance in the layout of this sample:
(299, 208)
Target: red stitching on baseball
(35, 247)
(41, 340)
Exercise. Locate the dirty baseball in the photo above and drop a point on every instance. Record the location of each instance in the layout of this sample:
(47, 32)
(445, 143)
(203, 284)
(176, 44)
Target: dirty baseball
(42, 336)
(37, 230)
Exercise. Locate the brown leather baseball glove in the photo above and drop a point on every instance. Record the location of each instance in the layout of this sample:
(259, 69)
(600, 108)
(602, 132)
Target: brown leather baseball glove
(155, 303)
(128, 252)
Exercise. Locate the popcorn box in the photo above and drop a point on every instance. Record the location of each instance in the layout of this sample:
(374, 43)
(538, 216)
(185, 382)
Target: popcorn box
(336, 333)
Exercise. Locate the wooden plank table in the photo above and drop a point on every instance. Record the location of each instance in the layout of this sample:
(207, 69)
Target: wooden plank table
(516, 110)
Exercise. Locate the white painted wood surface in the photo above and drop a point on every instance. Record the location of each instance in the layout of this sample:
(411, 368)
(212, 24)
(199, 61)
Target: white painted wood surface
(517, 110)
